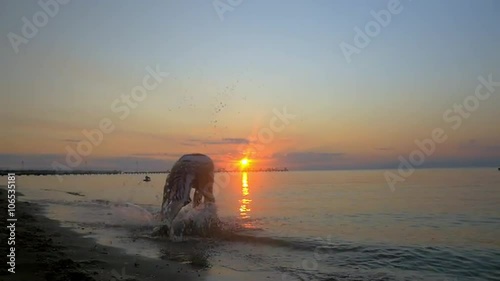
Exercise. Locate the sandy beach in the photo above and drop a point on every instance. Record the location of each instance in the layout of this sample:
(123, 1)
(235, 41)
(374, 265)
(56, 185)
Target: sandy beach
(47, 251)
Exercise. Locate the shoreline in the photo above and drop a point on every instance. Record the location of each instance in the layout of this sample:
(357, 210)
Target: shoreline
(47, 251)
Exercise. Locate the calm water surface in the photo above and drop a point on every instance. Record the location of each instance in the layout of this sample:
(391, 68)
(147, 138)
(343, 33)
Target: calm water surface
(325, 225)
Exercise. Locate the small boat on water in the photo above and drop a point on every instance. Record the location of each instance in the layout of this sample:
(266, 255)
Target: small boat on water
(147, 179)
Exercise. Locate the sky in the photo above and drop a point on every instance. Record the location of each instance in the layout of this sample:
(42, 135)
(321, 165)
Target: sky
(269, 80)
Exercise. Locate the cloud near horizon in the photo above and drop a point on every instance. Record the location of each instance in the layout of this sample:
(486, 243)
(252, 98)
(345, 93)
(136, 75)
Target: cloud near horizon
(196, 142)
(314, 160)
(473, 145)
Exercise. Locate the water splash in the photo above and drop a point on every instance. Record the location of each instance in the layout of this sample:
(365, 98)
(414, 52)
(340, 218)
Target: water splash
(201, 221)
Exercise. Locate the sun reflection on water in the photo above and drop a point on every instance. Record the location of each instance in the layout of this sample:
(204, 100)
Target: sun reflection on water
(245, 200)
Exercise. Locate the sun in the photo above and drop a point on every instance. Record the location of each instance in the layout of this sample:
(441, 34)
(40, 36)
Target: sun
(244, 162)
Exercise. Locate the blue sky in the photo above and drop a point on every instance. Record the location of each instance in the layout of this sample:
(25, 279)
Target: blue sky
(227, 76)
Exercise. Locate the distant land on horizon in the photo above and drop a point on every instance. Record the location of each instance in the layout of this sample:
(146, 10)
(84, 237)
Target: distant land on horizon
(4, 171)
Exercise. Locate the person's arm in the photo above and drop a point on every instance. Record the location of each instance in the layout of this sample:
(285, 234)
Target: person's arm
(198, 195)
(208, 188)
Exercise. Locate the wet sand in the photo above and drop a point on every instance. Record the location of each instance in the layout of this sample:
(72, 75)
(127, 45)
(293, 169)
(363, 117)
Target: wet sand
(47, 251)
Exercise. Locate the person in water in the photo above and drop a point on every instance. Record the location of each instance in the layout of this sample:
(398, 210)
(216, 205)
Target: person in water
(190, 171)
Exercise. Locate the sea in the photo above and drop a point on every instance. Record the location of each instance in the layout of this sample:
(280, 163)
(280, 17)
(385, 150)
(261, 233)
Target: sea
(437, 224)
